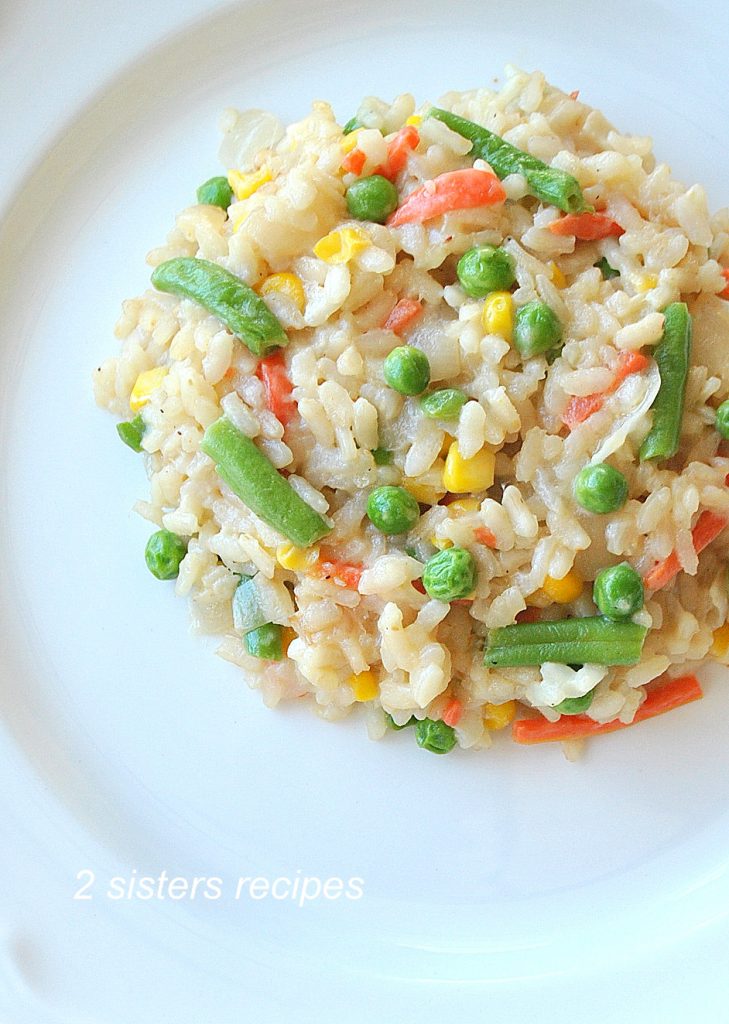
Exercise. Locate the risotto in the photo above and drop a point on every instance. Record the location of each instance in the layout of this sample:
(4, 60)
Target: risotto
(434, 409)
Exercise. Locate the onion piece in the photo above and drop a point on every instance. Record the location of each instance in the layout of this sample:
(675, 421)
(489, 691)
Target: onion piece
(629, 421)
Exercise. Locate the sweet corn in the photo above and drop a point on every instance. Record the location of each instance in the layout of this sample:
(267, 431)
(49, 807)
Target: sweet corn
(285, 284)
(644, 282)
(565, 590)
(287, 635)
(349, 142)
(441, 542)
(720, 646)
(424, 493)
(498, 716)
(474, 474)
(297, 559)
(497, 315)
(244, 185)
(364, 685)
(464, 505)
(147, 382)
(414, 119)
(558, 278)
(341, 246)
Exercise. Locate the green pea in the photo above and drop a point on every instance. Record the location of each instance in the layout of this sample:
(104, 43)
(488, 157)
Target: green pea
(437, 737)
(485, 269)
(373, 198)
(163, 554)
(265, 642)
(215, 192)
(450, 575)
(382, 456)
(575, 705)
(722, 419)
(606, 270)
(536, 329)
(600, 488)
(392, 509)
(443, 404)
(132, 431)
(618, 591)
(392, 724)
(407, 370)
(352, 125)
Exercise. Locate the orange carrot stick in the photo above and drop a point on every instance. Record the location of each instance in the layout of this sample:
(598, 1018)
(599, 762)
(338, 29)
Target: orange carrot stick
(403, 313)
(452, 712)
(586, 227)
(278, 387)
(454, 190)
(398, 150)
(581, 407)
(725, 274)
(345, 574)
(354, 162)
(485, 536)
(670, 695)
(708, 527)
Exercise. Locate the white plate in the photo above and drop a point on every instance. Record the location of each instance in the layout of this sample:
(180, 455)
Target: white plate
(504, 884)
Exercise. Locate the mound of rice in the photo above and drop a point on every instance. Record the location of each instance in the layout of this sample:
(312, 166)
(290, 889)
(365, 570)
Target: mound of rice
(426, 655)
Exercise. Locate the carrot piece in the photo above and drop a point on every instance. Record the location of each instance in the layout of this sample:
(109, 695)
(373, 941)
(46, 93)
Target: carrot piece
(278, 387)
(454, 190)
(586, 227)
(354, 161)
(708, 527)
(403, 313)
(452, 712)
(629, 362)
(725, 274)
(670, 695)
(581, 407)
(398, 150)
(529, 614)
(574, 94)
(484, 536)
(418, 584)
(345, 574)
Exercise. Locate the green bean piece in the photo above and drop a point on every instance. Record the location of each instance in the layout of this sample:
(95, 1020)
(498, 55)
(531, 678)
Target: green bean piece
(229, 298)
(722, 420)
(485, 269)
(392, 724)
(247, 611)
(392, 510)
(373, 198)
(407, 370)
(673, 355)
(546, 183)
(605, 269)
(600, 488)
(215, 192)
(443, 404)
(593, 640)
(132, 431)
(259, 485)
(382, 456)
(435, 736)
(575, 705)
(450, 575)
(163, 554)
(266, 642)
(618, 591)
(536, 329)
(352, 125)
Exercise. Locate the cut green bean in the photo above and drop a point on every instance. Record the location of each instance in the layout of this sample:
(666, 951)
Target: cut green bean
(549, 184)
(435, 736)
(352, 125)
(672, 356)
(382, 456)
(132, 431)
(260, 486)
(215, 192)
(229, 298)
(605, 269)
(575, 705)
(265, 642)
(593, 640)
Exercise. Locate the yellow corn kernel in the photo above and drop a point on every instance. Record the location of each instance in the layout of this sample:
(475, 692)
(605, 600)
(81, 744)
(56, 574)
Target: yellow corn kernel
(285, 284)
(298, 559)
(244, 185)
(349, 142)
(426, 494)
(497, 315)
(147, 382)
(556, 274)
(287, 635)
(447, 442)
(565, 590)
(475, 474)
(644, 282)
(464, 505)
(720, 646)
(441, 542)
(498, 716)
(414, 119)
(364, 685)
(341, 246)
